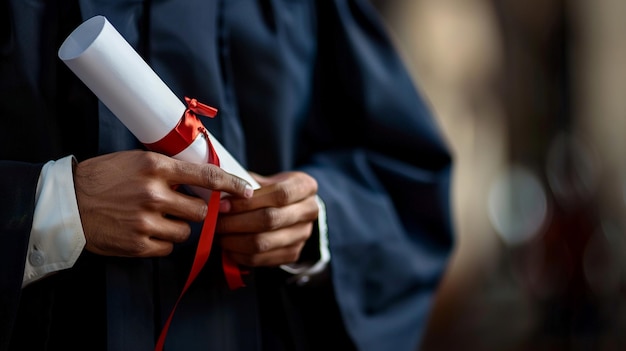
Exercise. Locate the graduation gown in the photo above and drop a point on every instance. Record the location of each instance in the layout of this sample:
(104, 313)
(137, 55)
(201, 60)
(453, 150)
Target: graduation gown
(299, 84)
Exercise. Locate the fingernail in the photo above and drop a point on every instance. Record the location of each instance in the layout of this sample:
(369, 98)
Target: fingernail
(224, 205)
(248, 191)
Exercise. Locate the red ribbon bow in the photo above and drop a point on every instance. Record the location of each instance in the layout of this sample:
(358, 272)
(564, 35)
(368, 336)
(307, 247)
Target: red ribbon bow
(177, 140)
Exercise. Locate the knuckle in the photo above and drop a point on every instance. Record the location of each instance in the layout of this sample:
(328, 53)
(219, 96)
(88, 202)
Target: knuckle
(299, 186)
(212, 174)
(137, 247)
(152, 162)
(200, 212)
(271, 217)
(282, 195)
(151, 196)
(260, 244)
(307, 182)
(237, 184)
(142, 226)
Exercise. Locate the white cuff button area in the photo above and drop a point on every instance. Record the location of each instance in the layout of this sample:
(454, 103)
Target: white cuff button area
(37, 258)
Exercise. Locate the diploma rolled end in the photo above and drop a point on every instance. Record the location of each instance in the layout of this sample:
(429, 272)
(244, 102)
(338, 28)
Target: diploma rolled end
(81, 38)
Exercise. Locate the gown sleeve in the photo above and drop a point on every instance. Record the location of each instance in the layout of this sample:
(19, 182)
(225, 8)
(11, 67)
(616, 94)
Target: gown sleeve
(18, 182)
(384, 173)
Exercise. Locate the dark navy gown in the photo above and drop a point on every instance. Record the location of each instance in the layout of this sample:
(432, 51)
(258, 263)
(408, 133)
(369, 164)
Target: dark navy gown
(311, 85)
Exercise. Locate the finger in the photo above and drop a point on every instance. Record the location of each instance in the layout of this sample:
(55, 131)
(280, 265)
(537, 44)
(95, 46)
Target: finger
(170, 229)
(259, 243)
(268, 218)
(159, 248)
(207, 176)
(146, 248)
(131, 244)
(182, 206)
(290, 188)
(156, 196)
(155, 238)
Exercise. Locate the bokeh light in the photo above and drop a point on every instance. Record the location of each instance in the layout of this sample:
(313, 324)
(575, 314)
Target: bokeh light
(518, 205)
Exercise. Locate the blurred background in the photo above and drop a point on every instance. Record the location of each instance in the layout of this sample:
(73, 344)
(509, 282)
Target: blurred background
(531, 96)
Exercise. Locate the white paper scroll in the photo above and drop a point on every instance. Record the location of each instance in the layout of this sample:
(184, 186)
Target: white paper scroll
(97, 53)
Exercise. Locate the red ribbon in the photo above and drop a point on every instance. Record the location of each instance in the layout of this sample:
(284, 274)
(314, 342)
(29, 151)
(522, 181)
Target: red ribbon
(186, 131)
(177, 140)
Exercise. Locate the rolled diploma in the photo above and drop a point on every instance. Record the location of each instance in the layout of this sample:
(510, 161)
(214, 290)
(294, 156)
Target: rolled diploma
(110, 67)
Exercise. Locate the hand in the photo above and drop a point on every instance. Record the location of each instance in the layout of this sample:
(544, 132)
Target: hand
(271, 227)
(129, 207)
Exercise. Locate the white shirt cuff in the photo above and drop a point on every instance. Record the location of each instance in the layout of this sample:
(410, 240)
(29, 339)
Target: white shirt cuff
(304, 273)
(56, 237)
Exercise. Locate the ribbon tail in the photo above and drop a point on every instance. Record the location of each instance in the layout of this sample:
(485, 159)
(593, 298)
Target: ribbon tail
(232, 273)
(201, 257)
(176, 141)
